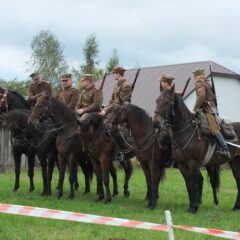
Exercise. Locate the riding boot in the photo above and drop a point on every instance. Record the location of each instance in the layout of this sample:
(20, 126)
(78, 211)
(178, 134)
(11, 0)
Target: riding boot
(224, 152)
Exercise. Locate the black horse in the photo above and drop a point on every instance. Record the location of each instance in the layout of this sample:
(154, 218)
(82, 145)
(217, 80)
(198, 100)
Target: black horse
(28, 140)
(16, 121)
(190, 150)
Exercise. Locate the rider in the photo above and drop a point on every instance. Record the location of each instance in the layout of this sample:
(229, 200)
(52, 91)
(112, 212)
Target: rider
(91, 97)
(37, 87)
(205, 102)
(121, 92)
(68, 94)
(166, 83)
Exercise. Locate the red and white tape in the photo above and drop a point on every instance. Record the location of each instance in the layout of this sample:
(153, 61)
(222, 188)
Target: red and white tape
(212, 232)
(78, 217)
(88, 218)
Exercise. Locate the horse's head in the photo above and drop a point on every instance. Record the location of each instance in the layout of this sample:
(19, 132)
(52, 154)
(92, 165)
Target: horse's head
(165, 103)
(42, 110)
(118, 114)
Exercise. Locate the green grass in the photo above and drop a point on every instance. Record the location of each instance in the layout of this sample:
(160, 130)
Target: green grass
(173, 196)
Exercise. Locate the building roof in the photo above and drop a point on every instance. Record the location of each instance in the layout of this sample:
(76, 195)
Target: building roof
(146, 88)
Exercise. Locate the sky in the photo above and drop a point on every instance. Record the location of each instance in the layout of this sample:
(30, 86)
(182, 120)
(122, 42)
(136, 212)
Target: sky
(144, 32)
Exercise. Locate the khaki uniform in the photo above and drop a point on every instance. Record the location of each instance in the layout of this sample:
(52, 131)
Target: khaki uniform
(205, 102)
(90, 100)
(34, 90)
(122, 90)
(69, 97)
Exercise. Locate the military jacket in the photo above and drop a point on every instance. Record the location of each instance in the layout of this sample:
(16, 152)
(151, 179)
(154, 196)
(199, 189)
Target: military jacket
(34, 90)
(90, 100)
(122, 90)
(69, 97)
(205, 97)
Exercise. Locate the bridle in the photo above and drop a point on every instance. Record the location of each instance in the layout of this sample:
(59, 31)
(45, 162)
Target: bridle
(3, 100)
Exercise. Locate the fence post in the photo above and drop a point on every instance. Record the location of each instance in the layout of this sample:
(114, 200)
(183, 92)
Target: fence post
(169, 223)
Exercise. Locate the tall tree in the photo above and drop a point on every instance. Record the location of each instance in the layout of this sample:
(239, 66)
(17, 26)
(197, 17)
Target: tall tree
(91, 61)
(113, 61)
(47, 57)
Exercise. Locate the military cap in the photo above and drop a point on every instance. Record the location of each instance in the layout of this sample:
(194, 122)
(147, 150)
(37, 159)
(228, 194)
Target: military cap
(65, 76)
(119, 70)
(198, 71)
(166, 78)
(87, 76)
(35, 75)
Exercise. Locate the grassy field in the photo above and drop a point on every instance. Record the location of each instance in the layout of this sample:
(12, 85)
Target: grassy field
(173, 197)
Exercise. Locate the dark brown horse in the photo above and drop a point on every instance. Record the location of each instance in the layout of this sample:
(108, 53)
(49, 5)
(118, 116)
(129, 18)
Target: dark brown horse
(28, 140)
(151, 154)
(70, 151)
(190, 150)
(17, 123)
(101, 152)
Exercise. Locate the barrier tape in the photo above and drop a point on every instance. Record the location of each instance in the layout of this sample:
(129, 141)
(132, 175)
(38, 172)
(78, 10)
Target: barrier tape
(212, 232)
(88, 218)
(79, 217)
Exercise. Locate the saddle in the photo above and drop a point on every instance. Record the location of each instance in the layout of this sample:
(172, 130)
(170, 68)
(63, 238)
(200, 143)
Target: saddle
(226, 126)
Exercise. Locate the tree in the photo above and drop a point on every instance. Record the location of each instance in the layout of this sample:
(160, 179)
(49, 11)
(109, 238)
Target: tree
(113, 61)
(91, 61)
(47, 57)
(16, 85)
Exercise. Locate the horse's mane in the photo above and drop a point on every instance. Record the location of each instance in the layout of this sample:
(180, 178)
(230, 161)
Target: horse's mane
(138, 113)
(19, 116)
(182, 106)
(65, 109)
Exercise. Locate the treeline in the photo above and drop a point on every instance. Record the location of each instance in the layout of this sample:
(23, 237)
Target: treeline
(47, 57)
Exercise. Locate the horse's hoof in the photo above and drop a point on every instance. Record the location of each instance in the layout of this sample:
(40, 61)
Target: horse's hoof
(235, 208)
(59, 196)
(115, 193)
(31, 189)
(100, 198)
(15, 189)
(126, 193)
(71, 196)
(193, 210)
(108, 200)
(216, 206)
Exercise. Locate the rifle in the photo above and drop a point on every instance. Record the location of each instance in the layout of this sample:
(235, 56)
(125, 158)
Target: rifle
(185, 87)
(213, 87)
(103, 81)
(135, 79)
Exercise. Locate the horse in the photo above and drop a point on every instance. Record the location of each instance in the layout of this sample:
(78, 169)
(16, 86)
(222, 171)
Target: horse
(28, 140)
(69, 147)
(101, 152)
(190, 148)
(152, 154)
(12, 100)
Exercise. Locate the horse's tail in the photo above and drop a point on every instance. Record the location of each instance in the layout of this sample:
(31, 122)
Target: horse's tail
(214, 176)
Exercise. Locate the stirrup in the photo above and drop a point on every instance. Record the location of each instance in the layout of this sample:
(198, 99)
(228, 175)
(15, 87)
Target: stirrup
(119, 156)
(224, 153)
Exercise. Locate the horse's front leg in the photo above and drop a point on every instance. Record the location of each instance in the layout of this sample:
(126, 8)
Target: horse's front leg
(43, 161)
(191, 177)
(128, 169)
(105, 165)
(113, 172)
(31, 158)
(72, 174)
(62, 169)
(148, 181)
(17, 160)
